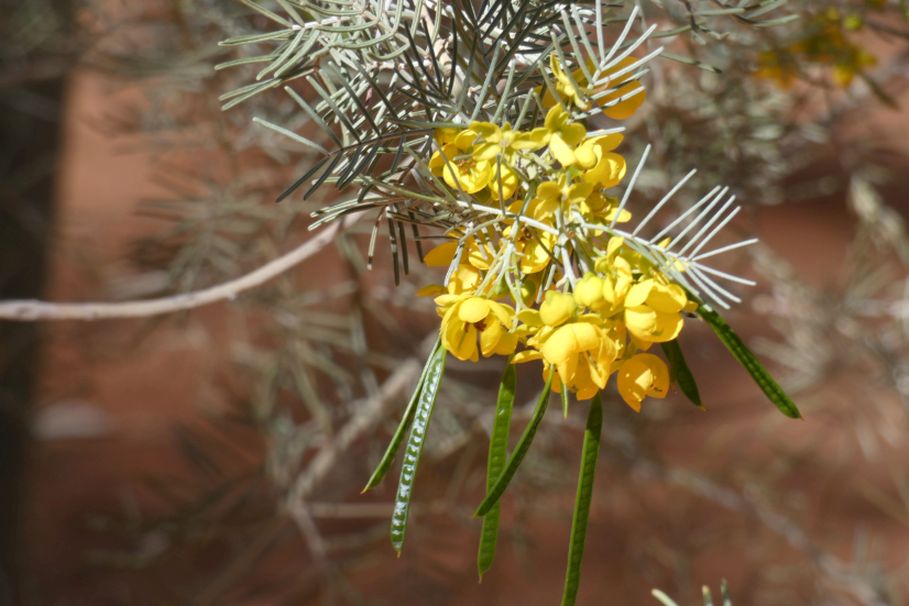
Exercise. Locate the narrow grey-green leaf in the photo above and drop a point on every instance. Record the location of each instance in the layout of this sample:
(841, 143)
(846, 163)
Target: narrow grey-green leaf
(498, 453)
(724, 592)
(680, 372)
(748, 360)
(396, 439)
(664, 599)
(520, 451)
(589, 452)
(415, 441)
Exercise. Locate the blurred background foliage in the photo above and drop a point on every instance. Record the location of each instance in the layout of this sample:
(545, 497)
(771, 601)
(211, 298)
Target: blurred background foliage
(296, 387)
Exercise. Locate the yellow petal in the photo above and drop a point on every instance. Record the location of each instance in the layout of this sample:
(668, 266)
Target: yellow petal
(555, 118)
(501, 312)
(448, 300)
(609, 142)
(585, 387)
(532, 140)
(486, 152)
(464, 279)
(504, 182)
(528, 355)
(588, 292)
(569, 341)
(442, 255)
(560, 150)
(608, 171)
(508, 342)
(640, 321)
(585, 154)
(530, 317)
(574, 133)
(473, 309)
(667, 298)
(490, 337)
(667, 328)
(458, 338)
(557, 308)
(431, 290)
(641, 376)
(446, 134)
(465, 139)
(639, 293)
(625, 108)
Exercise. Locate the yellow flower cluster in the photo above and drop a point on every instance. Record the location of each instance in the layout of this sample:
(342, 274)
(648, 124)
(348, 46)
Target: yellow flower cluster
(824, 42)
(513, 287)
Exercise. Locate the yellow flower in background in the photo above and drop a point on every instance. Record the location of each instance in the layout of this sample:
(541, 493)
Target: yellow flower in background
(823, 42)
(642, 376)
(466, 318)
(615, 106)
(851, 62)
(778, 66)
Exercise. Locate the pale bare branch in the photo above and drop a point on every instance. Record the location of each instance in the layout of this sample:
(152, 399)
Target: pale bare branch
(33, 310)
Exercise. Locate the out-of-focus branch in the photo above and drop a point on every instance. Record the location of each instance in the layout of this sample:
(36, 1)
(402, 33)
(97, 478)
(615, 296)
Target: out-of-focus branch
(362, 421)
(33, 310)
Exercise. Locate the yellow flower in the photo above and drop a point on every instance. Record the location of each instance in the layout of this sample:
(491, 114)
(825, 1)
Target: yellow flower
(569, 144)
(498, 147)
(579, 91)
(641, 376)
(582, 353)
(602, 167)
(458, 166)
(617, 276)
(553, 196)
(503, 140)
(465, 318)
(566, 86)
(779, 66)
(582, 349)
(600, 207)
(564, 135)
(853, 61)
(532, 246)
(653, 311)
